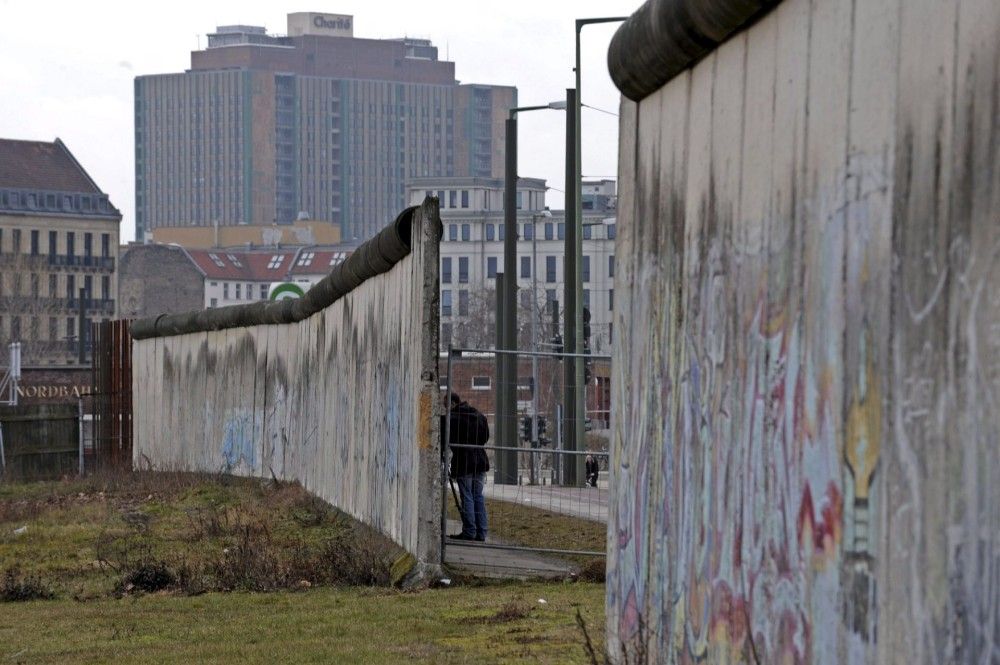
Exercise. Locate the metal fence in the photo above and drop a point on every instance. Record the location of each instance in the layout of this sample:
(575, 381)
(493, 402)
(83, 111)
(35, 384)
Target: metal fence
(539, 495)
(110, 401)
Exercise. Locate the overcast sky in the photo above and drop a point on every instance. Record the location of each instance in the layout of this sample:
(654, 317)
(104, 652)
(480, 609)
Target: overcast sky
(66, 68)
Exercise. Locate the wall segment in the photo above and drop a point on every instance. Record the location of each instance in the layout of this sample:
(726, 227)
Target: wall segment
(341, 397)
(804, 386)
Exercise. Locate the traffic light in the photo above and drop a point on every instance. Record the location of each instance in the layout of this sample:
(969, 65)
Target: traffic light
(588, 373)
(586, 327)
(526, 428)
(542, 425)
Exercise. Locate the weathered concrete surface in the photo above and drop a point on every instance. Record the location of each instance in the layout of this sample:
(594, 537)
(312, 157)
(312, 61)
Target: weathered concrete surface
(806, 384)
(343, 401)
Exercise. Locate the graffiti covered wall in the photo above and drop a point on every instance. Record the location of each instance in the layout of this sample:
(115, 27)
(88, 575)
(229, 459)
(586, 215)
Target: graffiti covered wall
(342, 401)
(806, 379)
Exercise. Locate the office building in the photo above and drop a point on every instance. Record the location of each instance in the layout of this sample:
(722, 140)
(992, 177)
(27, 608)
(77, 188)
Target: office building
(314, 125)
(58, 234)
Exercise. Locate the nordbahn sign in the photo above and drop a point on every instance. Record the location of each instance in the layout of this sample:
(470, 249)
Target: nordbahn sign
(285, 290)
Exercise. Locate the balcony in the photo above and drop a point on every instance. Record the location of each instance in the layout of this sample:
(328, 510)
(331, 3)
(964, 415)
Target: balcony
(30, 305)
(96, 262)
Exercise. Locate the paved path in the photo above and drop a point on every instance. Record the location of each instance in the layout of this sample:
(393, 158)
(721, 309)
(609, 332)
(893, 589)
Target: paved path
(590, 503)
(484, 561)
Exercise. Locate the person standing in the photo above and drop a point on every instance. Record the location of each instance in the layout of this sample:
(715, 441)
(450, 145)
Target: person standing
(469, 427)
(592, 471)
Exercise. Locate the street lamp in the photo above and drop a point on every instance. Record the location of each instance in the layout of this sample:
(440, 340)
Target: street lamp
(574, 388)
(507, 362)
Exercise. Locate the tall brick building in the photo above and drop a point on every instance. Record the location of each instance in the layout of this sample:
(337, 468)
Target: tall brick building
(266, 129)
(58, 234)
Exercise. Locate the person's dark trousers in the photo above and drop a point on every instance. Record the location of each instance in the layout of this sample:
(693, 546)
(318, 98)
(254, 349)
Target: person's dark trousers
(473, 506)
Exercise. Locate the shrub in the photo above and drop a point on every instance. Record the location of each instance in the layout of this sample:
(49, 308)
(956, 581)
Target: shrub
(15, 587)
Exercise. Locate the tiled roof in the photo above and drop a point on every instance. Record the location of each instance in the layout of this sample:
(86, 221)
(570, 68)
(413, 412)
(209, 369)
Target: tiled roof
(264, 265)
(42, 165)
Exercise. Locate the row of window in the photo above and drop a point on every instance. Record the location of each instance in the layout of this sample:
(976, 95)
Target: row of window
(34, 243)
(492, 262)
(54, 201)
(550, 231)
(34, 328)
(34, 286)
(447, 302)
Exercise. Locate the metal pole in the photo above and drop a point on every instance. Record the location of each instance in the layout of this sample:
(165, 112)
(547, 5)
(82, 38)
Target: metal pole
(444, 460)
(570, 278)
(534, 346)
(510, 284)
(501, 370)
(82, 329)
(79, 430)
(579, 406)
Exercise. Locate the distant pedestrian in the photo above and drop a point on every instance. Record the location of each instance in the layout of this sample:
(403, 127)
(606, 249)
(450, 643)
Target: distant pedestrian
(592, 471)
(468, 427)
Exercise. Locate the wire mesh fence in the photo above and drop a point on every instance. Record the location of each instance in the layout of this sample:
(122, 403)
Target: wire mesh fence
(544, 487)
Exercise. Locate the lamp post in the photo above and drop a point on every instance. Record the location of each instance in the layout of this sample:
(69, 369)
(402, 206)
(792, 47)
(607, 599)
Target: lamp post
(507, 367)
(574, 394)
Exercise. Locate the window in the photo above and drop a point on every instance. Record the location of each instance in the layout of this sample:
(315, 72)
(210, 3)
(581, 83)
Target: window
(463, 303)
(88, 244)
(105, 287)
(549, 231)
(249, 291)
(88, 287)
(15, 328)
(53, 286)
(446, 302)
(525, 266)
(239, 289)
(263, 291)
(588, 232)
(500, 226)
(71, 286)
(586, 269)
(34, 285)
(561, 231)
(441, 197)
(611, 231)
(490, 232)
(529, 231)
(337, 257)
(105, 245)
(16, 240)
(453, 232)
(466, 232)
(275, 262)
(446, 270)
(611, 299)
(225, 290)
(482, 383)
(451, 198)
(550, 295)
(586, 298)
(306, 259)
(519, 200)
(550, 269)
(463, 270)
(52, 243)
(445, 334)
(34, 243)
(215, 302)
(491, 267)
(53, 327)
(611, 265)
(235, 261)
(465, 198)
(71, 326)
(216, 260)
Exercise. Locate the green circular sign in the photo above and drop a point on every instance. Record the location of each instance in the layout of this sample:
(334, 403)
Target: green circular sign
(286, 290)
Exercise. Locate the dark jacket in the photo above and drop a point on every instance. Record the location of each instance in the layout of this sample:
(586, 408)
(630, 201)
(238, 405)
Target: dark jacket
(592, 467)
(468, 427)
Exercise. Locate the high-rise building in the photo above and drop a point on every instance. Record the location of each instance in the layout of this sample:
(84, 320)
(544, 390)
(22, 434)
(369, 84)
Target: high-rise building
(319, 124)
(58, 235)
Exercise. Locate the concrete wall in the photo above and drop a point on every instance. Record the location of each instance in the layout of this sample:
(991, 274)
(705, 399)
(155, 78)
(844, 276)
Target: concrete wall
(805, 382)
(342, 401)
(157, 279)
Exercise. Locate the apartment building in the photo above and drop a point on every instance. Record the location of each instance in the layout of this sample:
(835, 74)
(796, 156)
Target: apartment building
(58, 234)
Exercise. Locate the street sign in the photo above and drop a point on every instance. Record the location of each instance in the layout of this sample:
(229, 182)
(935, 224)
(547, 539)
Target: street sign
(285, 290)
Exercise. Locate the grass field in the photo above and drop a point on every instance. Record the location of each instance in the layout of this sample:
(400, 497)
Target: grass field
(246, 571)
